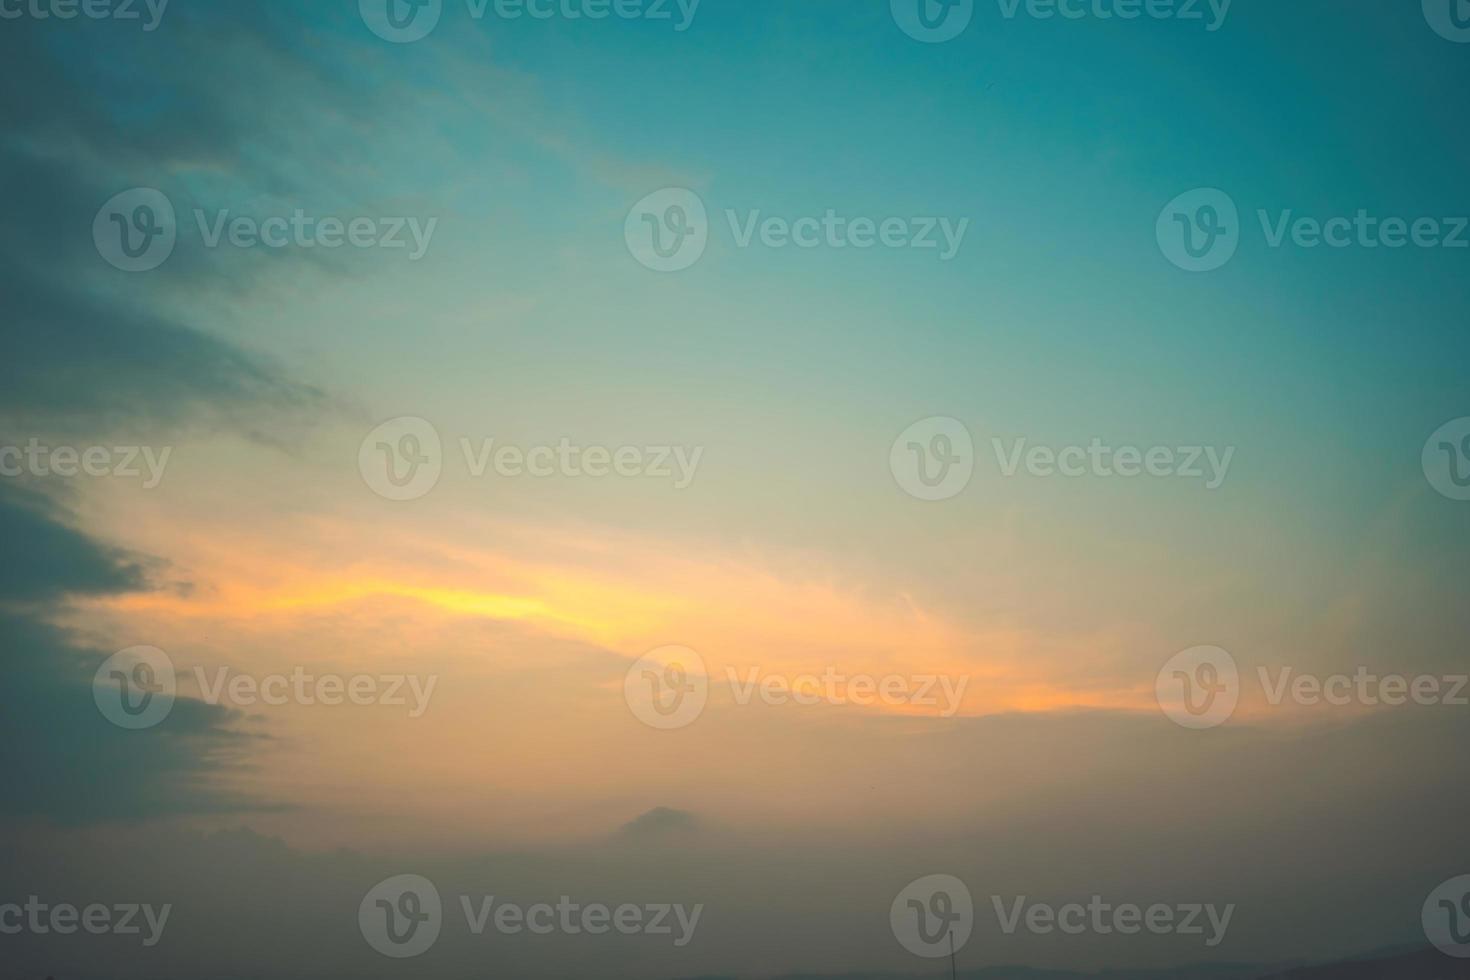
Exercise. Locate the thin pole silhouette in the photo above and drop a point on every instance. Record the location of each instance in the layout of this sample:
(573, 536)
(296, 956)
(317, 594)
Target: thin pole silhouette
(953, 970)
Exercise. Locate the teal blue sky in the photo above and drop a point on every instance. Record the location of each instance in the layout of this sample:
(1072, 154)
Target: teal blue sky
(1059, 319)
(531, 318)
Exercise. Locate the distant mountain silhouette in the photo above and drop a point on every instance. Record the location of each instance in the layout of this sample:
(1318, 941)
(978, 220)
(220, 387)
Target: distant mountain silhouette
(1426, 964)
(1418, 964)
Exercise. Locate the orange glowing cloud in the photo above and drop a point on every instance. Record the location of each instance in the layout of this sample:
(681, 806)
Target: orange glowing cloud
(783, 614)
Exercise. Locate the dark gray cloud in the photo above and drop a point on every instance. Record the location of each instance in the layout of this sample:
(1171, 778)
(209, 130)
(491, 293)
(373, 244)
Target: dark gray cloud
(89, 109)
(86, 346)
(50, 560)
(63, 761)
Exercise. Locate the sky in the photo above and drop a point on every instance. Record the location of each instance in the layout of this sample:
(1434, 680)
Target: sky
(791, 356)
